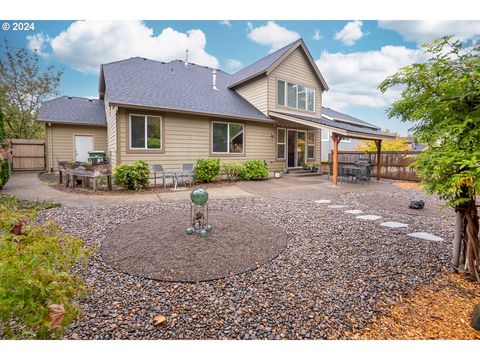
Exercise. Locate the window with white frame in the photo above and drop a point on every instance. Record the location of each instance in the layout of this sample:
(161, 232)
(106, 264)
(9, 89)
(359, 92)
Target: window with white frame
(295, 96)
(325, 135)
(281, 143)
(227, 138)
(311, 144)
(346, 140)
(145, 132)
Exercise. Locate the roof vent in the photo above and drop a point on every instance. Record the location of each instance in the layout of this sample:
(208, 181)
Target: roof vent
(171, 71)
(69, 97)
(186, 57)
(91, 100)
(214, 79)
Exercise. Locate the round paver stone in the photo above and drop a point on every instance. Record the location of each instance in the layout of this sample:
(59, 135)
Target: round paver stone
(158, 247)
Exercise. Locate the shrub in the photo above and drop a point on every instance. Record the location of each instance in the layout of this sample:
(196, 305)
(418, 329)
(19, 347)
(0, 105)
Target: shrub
(206, 170)
(132, 176)
(4, 172)
(232, 170)
(37, 279)
(254, 170)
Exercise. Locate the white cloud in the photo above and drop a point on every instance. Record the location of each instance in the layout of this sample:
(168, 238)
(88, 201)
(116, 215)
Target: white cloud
(423, 31)
(354, 78)
(234, 64)
(37, 42)
(225, 23)
(272, 35)
(317, 36)
(87, 44)
(350, 33)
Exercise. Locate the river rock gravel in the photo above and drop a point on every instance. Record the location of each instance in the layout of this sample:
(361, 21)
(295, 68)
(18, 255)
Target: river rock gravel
(335, 274)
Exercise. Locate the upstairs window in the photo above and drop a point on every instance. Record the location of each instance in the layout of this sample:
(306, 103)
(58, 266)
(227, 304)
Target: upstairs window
(227, 138)
(145, 132)
(295, 96)
(281, 92)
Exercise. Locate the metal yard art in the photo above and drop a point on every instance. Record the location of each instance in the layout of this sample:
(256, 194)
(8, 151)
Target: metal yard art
(199, 213)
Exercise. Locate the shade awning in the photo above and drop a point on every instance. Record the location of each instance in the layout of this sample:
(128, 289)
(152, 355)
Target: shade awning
(343, 129)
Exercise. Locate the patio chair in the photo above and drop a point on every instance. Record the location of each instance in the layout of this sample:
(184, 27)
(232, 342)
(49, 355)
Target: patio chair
(187, 172)
(159, 172)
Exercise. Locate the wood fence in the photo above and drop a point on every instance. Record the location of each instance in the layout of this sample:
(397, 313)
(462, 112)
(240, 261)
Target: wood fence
(28, 154)
(395, 164)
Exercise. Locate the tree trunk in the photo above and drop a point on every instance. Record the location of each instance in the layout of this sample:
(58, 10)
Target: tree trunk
(472, 246)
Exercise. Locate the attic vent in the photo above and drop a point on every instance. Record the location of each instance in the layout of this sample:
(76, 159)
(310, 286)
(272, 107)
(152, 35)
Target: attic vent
(91, 100)
(144, 58)
(69, 97)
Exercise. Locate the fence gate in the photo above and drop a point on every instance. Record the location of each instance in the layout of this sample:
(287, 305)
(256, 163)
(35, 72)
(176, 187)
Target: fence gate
(28, 154)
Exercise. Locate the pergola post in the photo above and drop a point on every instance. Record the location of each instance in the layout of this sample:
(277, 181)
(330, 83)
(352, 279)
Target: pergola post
(336, 139)
(378, 143)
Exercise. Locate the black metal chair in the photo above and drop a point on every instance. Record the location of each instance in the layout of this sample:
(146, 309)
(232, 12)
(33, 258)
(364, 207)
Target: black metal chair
(159, 172)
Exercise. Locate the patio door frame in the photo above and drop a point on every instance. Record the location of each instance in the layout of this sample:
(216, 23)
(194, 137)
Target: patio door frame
(295, 148)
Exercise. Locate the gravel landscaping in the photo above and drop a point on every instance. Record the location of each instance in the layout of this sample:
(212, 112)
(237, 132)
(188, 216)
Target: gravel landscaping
(336, 273)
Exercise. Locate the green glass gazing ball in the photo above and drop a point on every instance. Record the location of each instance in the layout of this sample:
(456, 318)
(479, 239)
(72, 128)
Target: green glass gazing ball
(197, 225)
(189, 231)
(203, 233)
(208, 227)
(199, 196)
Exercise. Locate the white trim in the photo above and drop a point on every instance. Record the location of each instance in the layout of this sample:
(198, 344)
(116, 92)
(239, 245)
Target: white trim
(346, 140)
(308, 144)
(146, 137)
(228, 138)
(284, 143)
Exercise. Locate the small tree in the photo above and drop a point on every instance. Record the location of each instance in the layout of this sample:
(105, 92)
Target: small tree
(397, 144)
(23, 87)
(442, 98)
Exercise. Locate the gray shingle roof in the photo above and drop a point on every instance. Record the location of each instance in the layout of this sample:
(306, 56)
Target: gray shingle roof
(337, 115)
(172, 85)
(338, 124)
(261, 65)
(74, 110)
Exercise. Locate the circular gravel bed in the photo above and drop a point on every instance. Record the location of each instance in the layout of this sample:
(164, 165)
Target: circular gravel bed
(157, 247)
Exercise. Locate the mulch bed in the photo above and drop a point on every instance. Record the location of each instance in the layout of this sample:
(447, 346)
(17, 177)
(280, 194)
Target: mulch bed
(157, 247)
(441, 310)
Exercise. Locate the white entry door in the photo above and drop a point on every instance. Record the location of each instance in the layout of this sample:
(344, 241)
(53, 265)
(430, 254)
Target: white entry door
(83, 144)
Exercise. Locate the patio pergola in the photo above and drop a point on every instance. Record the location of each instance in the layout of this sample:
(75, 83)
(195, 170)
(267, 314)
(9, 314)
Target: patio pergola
(341, 126)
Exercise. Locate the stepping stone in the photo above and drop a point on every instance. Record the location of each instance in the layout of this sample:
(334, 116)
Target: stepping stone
(354, 212)
(337, 206)
(323, 201)
(426, 236)
(369, 217)
(393, 224)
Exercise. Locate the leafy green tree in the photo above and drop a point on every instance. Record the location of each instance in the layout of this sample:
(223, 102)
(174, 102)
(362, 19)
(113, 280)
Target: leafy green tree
(2, 126)
(442, 98)
(24, 85)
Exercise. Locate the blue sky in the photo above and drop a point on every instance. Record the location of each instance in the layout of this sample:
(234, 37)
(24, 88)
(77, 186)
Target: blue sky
(354, 56)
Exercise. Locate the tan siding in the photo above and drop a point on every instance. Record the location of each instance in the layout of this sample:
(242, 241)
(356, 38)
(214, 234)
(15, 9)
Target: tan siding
(60, 141)
(187, 138)
(296, 68)
(255, 92)
(111, 112)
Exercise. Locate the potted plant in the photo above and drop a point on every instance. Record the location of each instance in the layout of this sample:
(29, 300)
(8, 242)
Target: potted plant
(277, 174)
(315, 168)
(305, 167)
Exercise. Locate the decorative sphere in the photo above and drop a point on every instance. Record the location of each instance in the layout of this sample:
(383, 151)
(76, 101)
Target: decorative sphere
(199, 196)
(209, 227)
(197, 225)
(203, 233)
(189, 231)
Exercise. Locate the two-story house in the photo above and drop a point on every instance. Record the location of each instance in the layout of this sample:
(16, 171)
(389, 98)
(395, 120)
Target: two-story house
(177, 112)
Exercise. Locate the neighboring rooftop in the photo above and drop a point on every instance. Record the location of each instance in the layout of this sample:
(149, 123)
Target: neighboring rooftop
(174, 85)
(73, 110)
(338, 116)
